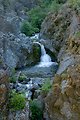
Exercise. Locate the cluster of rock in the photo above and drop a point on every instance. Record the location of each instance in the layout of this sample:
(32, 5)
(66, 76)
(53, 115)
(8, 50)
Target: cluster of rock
(62, 30)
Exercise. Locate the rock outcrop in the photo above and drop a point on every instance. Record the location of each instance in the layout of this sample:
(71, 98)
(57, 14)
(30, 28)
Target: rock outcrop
(61, 31)
(58, 26)
(18, 51)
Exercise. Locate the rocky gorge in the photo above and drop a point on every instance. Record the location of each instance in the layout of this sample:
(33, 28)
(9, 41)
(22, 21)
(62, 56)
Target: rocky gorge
(23, 64)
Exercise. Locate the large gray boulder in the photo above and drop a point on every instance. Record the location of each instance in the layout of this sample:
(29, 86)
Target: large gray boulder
(17, 51)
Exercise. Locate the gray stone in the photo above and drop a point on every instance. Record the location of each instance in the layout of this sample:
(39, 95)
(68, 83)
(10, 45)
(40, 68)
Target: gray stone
(65, 63)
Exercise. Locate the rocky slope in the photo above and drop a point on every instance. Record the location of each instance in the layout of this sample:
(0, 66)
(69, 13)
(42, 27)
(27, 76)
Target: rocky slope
(61, 31)
(13, 12)
(16, 50)
(14, 46)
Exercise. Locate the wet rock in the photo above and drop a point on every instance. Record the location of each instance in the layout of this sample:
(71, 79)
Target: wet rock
(40, 71)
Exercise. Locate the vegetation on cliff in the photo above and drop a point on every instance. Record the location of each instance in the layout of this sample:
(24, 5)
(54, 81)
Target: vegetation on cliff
(17, 101)
(38, 14)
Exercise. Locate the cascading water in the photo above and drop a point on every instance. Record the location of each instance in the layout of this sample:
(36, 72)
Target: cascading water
(45, 60)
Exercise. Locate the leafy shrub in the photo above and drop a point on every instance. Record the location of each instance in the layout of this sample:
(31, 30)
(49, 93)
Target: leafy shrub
(12, 79)
(36, 110)
(77, 34)
(61, 1)
(75, 4)
(22, 78)
(27, 28)
(54, 6)
(46, 87)
(17, 101)
(36, 16)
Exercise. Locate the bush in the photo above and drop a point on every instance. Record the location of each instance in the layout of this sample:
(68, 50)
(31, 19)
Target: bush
(36, 16)
(36, 110)
(12, 79)
(27, 28)
(77, 34)
(54, 6)
(17, 101)
(46, 87)
(75, 4)
(22, 78)
(61, 1)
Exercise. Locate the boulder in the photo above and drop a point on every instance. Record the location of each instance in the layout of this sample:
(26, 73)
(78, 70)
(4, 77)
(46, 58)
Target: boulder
(18, 51)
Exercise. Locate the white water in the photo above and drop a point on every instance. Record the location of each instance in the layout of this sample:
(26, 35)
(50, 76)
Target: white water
(36, 36)
(45, 60)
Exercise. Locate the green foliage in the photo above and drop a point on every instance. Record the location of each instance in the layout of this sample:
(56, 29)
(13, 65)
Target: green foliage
(17, 101)
(77, 34)
(36, 53)
(36, 110)
(36, 16)
(75, 4)
(13, 71)
(12, 79)
(54, 6)
(22, 77)
(27, 28)
(46, 86)
(61, 1)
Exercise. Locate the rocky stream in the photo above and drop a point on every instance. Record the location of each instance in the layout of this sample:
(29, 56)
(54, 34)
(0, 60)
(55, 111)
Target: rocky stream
(42, 69)
(34, 78)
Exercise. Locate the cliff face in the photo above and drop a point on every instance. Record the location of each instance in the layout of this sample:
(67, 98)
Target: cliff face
(15, 46)
(62, 30)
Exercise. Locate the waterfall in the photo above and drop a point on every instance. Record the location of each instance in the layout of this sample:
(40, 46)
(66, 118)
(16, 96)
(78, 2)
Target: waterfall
(45, 60)
(36, 36)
